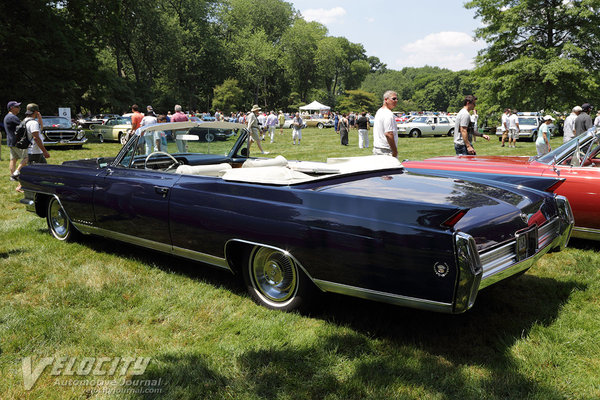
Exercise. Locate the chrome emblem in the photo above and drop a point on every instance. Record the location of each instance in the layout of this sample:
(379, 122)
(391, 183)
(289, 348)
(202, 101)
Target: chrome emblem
(441, 269)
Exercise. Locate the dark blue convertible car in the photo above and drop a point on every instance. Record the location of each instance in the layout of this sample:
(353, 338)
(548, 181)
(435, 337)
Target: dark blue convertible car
(361, 226)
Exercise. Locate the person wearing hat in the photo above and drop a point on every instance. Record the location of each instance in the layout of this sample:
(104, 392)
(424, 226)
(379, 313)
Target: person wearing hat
(569, 124)
(11, 121)
(542, 143)
(583, 122)
(252, 122)
(37, 152)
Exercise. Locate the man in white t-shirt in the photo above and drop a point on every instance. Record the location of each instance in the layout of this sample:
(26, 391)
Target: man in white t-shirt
(504, 125)
(463, 128)
(513, 129)
(37, 151)
(385, 129)
(569, 124)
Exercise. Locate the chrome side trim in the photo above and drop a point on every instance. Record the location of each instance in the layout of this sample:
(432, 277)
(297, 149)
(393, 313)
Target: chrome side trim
(165, 248)
(286, 252)
(586, 233)
(202, 257)
(391, 298)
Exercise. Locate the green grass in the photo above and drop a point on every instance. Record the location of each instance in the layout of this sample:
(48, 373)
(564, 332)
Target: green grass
(535, 337)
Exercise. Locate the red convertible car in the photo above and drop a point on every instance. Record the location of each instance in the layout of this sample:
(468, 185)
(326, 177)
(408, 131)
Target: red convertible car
(577, 161)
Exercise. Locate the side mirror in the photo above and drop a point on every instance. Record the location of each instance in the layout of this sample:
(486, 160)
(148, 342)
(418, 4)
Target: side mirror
(101, 162)
(244, 152)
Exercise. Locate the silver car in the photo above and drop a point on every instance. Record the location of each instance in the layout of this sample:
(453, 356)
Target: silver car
(528, 127)
(427, 125)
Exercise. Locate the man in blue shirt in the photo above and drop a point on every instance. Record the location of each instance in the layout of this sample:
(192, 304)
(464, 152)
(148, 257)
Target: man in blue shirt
(11, 121)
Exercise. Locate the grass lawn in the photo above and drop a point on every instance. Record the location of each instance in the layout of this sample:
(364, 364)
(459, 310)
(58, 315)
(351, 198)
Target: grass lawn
(535, 337)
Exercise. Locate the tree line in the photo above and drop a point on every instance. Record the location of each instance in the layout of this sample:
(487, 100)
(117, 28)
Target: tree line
(104, 55)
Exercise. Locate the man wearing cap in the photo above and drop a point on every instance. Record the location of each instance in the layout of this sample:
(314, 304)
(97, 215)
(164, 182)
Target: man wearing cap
(583, 122)
(542, 143)
(569, 125)
(37, 152)
(11, 121)
(252, 122)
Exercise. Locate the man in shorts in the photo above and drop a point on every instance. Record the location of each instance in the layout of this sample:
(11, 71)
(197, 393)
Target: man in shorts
(513, 129)
(11, 121)
(253, 128)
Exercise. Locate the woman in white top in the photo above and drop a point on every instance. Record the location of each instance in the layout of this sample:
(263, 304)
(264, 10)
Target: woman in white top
(542, 143)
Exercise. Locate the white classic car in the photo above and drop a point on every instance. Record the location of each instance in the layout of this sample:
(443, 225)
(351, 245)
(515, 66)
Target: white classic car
(428, 125)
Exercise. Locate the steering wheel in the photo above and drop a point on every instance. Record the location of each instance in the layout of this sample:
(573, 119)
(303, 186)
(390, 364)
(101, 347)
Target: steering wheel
(174, 164)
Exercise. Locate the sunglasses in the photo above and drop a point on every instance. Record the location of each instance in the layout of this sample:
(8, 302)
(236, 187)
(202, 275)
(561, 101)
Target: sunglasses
(394, 98)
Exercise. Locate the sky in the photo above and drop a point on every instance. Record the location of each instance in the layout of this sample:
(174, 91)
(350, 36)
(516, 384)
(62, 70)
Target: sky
(402, 33)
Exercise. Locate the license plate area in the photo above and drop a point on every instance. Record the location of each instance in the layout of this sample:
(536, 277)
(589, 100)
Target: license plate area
(526, 243)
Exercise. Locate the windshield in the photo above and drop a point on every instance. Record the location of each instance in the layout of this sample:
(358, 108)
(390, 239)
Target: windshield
(528, 121)
(56, 122)
(196, 145)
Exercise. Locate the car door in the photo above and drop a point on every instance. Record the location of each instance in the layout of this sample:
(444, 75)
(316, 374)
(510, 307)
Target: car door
(134, 202)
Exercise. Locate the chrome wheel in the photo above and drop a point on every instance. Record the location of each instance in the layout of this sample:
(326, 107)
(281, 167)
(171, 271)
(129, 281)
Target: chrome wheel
(210, 137)
(58, 223)
(101, 138)
(123, 139)
(274, 276)
(320, 125)
(415, 133)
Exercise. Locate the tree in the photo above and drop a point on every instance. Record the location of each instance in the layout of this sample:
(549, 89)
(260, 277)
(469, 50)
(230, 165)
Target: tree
(357, 100)
(537, 57)
(228, 96)
(298, 48)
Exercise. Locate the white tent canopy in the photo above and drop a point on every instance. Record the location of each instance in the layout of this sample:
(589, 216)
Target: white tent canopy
(315, 105)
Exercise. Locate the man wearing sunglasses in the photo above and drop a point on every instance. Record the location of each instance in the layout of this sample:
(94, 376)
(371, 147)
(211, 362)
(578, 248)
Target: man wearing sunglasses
(463, 128)
(385, 130)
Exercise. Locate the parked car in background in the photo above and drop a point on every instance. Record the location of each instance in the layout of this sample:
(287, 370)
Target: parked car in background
(116, 128)
(427, 125)
(60, 131)
(290, 228)
(318, 122)
(288, 122)
(102, 118)
(529, 124)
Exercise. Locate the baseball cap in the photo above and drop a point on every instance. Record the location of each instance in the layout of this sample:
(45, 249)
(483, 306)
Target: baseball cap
(577, 109)
(548, 117)
(12, 104)
(31, 108)
(586, 107)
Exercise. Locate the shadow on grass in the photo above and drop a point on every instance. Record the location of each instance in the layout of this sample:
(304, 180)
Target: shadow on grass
(14, 252)
(165, 262)
(584, 244)
(387, 348)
